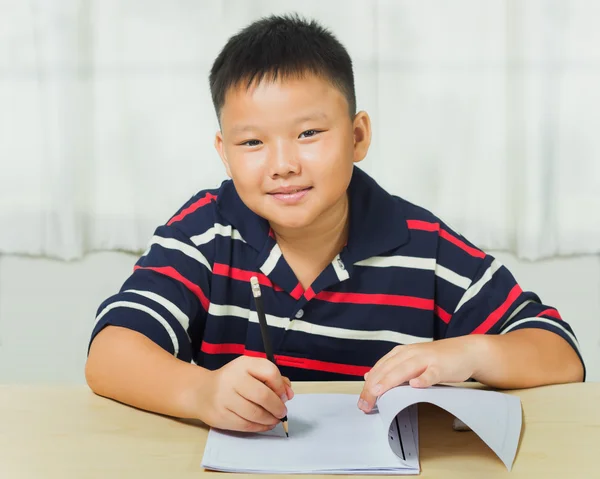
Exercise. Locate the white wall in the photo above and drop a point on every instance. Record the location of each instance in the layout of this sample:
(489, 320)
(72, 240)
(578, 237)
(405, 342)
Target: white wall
(47, 308)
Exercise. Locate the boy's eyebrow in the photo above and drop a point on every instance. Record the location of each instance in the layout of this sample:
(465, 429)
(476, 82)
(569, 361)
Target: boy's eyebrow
(318, 115)
(302, 119)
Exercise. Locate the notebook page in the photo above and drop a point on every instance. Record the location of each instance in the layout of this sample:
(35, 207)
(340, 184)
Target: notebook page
(494, 417)
(328, 434)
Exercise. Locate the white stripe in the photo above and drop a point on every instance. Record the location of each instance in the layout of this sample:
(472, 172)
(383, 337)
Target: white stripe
(398, 261)
(476, 287)
(216, 229)
(172, 308)
(452, 277)
(145, 309)
(428, 264)
(339, 268)
(172, 243)
(547, 321)
(516, 311)
(230, 310)
(320, 330)
(270, 263)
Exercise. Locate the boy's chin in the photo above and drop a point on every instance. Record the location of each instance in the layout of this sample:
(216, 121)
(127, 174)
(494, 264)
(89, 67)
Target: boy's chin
(291, 221)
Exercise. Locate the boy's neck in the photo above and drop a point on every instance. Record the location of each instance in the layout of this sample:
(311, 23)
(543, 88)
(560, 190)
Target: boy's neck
(320, 241)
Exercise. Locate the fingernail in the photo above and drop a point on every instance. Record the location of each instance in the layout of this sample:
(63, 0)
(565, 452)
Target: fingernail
(284, 414)
(284, 397)
(377, 389)
(362, 404)
(366, 376)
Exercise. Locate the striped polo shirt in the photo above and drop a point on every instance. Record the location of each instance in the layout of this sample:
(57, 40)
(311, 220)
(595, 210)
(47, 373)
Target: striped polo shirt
(403, 277)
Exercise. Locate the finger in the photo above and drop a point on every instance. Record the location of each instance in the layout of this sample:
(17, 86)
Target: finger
(377, 374)
(368, 397)
(260, 394)
(289, 392)
(288, 387)
(429, 377)
(250, 410)
(266, 372)
(390, 354)
(397, 373)
(235, 422)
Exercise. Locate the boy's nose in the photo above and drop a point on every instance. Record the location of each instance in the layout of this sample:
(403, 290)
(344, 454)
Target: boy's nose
(283, 161)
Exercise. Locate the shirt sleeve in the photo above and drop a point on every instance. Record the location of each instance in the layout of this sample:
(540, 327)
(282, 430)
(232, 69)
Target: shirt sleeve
(166, 296)
(494, 303)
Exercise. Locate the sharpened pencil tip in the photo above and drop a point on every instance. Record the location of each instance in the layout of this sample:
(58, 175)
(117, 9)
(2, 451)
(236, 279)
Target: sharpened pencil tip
(285, 428)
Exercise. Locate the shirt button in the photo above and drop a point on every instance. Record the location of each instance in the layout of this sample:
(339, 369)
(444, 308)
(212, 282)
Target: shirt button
(300, 313)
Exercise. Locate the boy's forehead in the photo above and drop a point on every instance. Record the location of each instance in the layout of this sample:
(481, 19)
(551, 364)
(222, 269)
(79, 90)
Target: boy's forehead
(315, 98)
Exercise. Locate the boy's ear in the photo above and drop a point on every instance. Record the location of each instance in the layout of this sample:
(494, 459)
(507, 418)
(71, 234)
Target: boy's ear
(361, 129)
(219, 146)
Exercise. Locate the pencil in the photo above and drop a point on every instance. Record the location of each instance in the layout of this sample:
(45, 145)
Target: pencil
(264, 331)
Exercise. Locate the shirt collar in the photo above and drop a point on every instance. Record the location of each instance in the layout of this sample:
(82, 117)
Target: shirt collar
(377, 221)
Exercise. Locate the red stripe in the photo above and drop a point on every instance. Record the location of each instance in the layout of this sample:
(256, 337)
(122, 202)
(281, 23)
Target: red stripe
(315, 365)
(309, 294)
(297, 292)
(243, 275)
(495, 316)
(301, 363)
(553, 313)
(422, 225)
(426, 226)
(193, 207)
(385, 299)
(443, 315)
(173, 273)
(465, 247)
(226, 348)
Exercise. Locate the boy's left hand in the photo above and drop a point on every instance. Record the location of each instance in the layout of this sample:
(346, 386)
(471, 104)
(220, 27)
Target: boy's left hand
(422, 365)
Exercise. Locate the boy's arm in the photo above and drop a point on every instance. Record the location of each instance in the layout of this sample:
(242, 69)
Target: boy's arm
(127, 366)
(490, 330)
(525, 358)
(147, 336)
(520, 359)
(248, 394)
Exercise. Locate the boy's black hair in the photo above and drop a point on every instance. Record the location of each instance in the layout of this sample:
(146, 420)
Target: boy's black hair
(281, 47)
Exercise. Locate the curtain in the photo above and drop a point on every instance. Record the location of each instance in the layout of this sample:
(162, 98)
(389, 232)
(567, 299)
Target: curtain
(484, 112)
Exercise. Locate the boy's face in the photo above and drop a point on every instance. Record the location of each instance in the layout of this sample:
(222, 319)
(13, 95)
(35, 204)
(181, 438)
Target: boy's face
(289, 147)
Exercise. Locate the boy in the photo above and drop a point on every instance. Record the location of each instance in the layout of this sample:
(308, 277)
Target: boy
(356, 282)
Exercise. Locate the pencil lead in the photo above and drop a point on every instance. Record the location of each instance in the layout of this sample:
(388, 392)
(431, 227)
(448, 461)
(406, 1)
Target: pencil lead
(285, 428)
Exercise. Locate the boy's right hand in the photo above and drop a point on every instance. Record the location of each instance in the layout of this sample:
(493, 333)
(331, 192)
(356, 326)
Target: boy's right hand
(247, 394)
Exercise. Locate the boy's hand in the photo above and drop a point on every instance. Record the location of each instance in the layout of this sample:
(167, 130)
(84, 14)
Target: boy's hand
(247, 394)
(422, 365)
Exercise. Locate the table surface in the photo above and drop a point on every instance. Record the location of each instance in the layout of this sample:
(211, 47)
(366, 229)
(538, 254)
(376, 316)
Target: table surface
(67, 431)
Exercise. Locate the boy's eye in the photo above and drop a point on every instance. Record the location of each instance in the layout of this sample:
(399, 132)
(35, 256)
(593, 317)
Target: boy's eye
(251, 143)
(308, 133)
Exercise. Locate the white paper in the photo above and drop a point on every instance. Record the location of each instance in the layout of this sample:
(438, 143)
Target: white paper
(495, 417)
(330, 435)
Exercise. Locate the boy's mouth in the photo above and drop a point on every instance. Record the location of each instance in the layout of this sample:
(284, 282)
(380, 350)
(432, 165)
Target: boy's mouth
(290, 194)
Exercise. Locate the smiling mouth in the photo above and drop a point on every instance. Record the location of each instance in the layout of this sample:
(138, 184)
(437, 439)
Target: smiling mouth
(290, 191)
(291, 196)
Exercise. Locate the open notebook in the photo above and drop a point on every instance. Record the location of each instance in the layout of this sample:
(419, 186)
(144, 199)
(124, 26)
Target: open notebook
(330, 435)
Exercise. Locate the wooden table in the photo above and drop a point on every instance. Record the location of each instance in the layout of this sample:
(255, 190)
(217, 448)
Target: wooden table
(68, 432)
